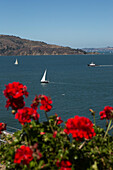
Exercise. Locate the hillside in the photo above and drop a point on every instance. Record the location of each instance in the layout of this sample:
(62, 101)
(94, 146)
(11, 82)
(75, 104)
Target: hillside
(12, 45)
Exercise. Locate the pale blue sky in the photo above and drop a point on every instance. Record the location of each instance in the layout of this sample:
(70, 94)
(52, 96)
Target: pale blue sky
(74, 23)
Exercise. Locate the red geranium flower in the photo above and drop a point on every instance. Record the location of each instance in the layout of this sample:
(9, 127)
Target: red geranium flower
(107, 113)
(2, 127)
(58, 119)
(35, 103)
(24, 115)
(23, 155)
(15, 90)
(34, 115)
(45, 103)
(14, 93)
(15, 104)
(64, 165)
(54, 134)
(80, 127)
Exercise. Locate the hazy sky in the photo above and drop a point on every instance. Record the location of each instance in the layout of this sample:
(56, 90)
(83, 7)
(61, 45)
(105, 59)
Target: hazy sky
(74, 23)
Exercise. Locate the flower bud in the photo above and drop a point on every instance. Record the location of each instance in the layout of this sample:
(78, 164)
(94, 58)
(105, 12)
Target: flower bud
(13, 111)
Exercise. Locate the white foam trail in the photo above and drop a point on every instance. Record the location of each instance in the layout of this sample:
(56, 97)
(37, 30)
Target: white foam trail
(59, 83)
(105, 65)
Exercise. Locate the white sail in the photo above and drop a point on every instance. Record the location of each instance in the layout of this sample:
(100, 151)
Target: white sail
(16, 62)
(43, 80)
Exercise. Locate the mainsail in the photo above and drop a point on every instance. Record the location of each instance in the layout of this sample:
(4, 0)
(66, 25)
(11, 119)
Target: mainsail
(16, 62)
(43, 80)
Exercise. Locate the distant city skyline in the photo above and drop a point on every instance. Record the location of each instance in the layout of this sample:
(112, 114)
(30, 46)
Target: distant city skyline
(74, 23)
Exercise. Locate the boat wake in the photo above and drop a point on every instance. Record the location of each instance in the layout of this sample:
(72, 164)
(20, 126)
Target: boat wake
(59, 83)
(105, 65)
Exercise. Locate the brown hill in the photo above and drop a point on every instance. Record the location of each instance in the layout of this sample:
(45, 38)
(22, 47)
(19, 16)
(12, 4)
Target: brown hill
(12, 45)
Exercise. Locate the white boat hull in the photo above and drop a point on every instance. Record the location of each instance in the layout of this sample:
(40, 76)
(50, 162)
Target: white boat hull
(92, 65)
(44, 81)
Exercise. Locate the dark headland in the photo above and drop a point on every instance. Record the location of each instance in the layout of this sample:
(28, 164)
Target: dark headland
(16, 46)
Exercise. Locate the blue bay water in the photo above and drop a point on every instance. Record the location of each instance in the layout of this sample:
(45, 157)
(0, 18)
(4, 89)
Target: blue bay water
(74, 87)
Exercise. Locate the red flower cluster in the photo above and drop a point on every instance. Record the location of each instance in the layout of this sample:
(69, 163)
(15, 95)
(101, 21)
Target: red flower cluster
(24, 115)
(14, 93)
(45, 103)
(35, 103)
(64, 165)
(58, 119)
(80, 127)
(2, 127)
(107, 113)
(23, 155)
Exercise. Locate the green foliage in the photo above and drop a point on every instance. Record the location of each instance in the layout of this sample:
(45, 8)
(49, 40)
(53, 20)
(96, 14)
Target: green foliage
(96, 153)
(51, 144)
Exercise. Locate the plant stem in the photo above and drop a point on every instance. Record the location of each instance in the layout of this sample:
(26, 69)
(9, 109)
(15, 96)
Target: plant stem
(108, 128)
(82, 145)
(47, 116)
(94, 120)
(111, 127)
(49, 121)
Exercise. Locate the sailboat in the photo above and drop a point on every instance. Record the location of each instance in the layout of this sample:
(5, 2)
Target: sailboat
(43, 80)
(16, 62)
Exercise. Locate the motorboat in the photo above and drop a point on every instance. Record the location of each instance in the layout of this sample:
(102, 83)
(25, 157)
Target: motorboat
(92, 64)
